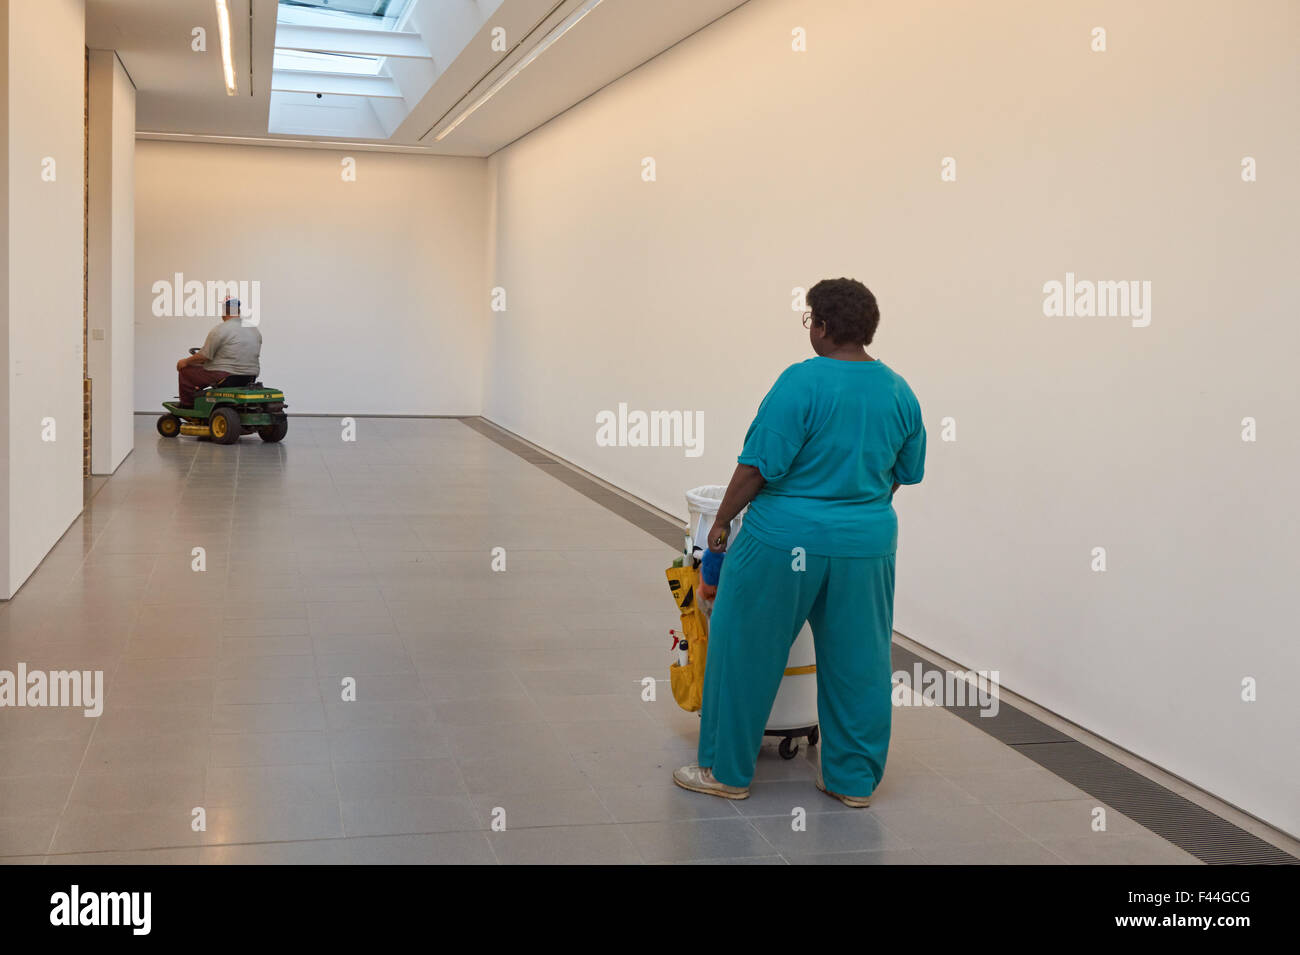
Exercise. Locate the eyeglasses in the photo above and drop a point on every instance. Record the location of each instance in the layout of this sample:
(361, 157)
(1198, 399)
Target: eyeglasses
(807, 319)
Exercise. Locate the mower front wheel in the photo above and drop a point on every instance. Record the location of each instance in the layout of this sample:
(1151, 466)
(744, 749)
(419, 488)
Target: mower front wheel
(169, 426)
(225, 426)
(276, 430)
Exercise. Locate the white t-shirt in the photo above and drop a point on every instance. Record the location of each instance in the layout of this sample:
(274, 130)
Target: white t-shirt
(233, 347)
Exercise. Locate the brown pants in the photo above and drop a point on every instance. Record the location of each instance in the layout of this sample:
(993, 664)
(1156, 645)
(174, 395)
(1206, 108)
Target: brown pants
(194, 377)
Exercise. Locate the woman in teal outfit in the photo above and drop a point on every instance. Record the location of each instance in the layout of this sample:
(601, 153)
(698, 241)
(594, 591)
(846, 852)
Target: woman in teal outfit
(832, 442)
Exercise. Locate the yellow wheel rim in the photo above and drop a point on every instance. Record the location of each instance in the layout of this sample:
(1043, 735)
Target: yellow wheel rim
(170, 427)
(219, 427)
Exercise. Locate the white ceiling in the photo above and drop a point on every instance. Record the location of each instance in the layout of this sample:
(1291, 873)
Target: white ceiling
(182, 92)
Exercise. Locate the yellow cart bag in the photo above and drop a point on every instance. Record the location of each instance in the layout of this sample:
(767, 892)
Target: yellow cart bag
(688, 681)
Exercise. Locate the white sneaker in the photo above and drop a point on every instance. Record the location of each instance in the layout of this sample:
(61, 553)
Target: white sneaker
(854, 802)
(699, 780)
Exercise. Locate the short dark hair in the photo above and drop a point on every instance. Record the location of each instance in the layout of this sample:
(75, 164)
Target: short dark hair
(847, 310)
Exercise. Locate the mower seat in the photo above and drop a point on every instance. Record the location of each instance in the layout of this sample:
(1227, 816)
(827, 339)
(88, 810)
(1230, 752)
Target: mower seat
(235, 381)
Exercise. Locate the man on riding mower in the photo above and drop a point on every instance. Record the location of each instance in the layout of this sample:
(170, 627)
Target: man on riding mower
(230, 354)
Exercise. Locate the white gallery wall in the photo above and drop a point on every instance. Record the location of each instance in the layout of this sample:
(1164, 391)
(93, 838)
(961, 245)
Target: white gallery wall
(110, 250)
(372, 289)
(40, 412)
(1051, 435)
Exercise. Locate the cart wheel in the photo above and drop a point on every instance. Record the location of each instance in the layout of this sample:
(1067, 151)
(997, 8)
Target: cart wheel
(814, 736)
(788, 748)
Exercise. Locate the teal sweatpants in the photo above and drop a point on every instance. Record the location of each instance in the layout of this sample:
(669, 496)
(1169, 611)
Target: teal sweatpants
(763, 601)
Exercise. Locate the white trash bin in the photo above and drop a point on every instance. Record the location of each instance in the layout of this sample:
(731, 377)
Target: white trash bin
(794, 714)
(702, 505)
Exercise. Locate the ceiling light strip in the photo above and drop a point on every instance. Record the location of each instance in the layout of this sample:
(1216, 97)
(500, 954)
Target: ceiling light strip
(568, 24)
(227, 56)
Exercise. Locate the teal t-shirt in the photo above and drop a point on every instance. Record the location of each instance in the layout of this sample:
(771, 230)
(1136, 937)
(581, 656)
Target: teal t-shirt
(830, 439)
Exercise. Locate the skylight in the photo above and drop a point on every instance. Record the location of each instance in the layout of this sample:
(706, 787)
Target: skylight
(344, 64)
(351, 14)
(348, 68)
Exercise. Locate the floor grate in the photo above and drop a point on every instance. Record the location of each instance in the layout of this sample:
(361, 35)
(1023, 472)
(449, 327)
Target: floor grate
(632, 512)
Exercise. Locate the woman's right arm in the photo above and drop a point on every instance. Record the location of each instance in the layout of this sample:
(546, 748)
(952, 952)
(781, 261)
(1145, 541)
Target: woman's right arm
(746, 482)
(771, 444)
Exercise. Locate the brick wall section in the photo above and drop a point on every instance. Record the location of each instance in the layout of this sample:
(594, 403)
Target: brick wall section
(85, 277)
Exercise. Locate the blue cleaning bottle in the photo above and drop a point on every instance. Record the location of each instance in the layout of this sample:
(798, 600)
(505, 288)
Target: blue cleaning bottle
(711, 566)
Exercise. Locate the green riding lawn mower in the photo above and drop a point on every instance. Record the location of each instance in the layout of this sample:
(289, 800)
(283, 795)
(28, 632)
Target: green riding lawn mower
(225, 412)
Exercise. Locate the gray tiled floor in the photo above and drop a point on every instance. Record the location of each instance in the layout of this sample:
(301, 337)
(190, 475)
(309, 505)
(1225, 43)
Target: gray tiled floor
(478, 693)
